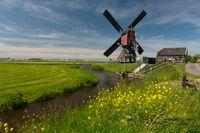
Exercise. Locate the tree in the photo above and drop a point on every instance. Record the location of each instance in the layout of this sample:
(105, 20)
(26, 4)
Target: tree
(193, 58)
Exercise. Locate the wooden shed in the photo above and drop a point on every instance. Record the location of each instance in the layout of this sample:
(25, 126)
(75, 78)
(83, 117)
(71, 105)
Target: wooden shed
(172, 55)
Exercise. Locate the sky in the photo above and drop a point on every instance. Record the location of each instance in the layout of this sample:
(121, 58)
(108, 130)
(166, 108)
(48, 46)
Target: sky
(76, 29)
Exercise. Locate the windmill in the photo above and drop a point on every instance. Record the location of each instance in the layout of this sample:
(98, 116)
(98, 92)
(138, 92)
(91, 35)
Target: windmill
(131, 48)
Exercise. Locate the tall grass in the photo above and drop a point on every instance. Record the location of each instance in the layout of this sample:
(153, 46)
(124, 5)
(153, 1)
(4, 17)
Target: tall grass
(97, 67)
(155, 104)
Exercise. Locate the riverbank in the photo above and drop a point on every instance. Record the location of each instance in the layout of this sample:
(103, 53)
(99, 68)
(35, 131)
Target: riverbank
(155, 104)
(115, 67)
(35, 111)
(24, 83)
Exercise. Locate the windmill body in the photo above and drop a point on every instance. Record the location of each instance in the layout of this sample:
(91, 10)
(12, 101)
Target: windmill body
(127, 40)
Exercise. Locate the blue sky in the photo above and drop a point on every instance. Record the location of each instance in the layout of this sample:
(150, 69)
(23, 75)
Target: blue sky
(77, 29)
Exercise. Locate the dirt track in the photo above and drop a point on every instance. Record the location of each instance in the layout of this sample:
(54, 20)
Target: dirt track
(193, 68)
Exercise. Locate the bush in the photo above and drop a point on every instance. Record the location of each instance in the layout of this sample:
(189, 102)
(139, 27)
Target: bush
(18, 100)
(193, 58)
(14, 102)
(97, 67)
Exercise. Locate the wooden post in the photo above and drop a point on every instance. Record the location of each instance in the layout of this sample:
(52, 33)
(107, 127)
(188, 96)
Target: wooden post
(184, 79)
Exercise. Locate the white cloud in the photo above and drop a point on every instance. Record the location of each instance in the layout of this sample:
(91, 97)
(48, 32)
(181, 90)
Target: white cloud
(153, 45)
(176, 11)
(51, 35)
(52, 11)
(118, 11)
(43, 12)
(69, 4)
(84, 38)
(8, 27)
(92, 42)
(150, 45)
(9, 4)
(52, 53)
(158, 12)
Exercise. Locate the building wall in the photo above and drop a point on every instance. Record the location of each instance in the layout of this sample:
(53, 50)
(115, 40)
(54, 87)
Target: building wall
(181, 59)
(159, 59)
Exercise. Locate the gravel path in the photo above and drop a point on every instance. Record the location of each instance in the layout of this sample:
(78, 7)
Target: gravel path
(193, 68)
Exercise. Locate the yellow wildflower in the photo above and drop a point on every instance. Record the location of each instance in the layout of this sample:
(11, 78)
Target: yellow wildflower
(146, 111)
(6, 129)
(42, 129)
(154, 97)
(164, 87)
(6, 124)
(11, 129)
(160, 97)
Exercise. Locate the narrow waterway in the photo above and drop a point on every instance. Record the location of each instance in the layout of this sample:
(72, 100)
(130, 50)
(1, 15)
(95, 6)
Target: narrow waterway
(60, 103)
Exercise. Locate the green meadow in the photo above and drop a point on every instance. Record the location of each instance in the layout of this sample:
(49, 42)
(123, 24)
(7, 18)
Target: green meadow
(115, 67)
(26, 82)
(22, 83)
(157, 103)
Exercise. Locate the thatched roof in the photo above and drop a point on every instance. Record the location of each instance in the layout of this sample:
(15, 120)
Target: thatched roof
(173, 51)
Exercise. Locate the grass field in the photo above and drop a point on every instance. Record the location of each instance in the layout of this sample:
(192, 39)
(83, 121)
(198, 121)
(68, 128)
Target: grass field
(156, 104)
(22, 83)
(115, 67)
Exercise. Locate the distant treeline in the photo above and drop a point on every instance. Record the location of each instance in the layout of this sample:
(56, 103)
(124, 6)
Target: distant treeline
(194, 58)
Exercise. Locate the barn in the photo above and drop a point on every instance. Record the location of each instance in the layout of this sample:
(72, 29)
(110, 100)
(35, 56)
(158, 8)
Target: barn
(172, 55)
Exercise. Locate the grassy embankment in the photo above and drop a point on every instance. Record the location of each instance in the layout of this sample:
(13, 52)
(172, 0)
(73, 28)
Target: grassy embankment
(23, 83)
(114, 67)
(156, 104)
